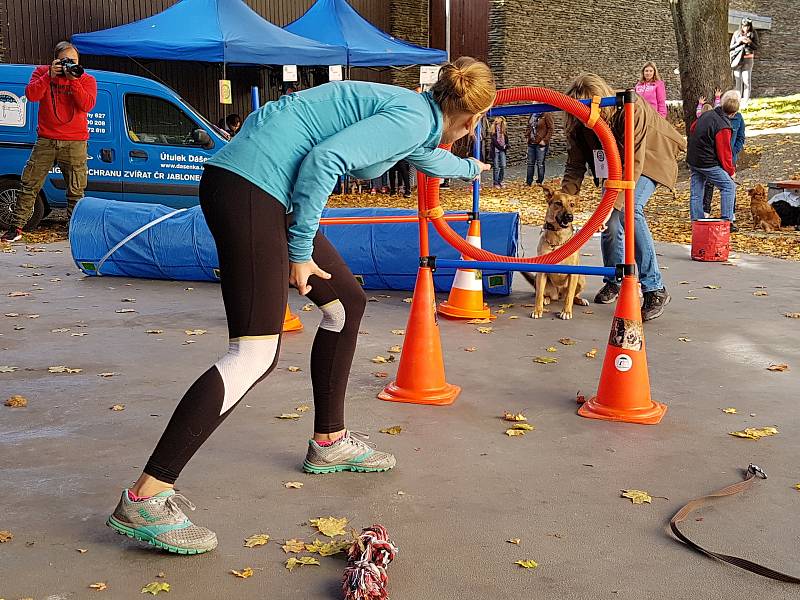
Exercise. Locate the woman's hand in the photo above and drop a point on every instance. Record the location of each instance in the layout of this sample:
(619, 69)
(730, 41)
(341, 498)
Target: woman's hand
(300, 272)
(701, 100)
(481, 166)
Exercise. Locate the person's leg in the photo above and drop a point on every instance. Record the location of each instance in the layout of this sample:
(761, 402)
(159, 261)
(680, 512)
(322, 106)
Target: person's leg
(404, 170)
(611, 246)
(393, 180)
(41, 160)
(541, 156)
(503, 164)
(72, 162)
(708, 196)
(531, 165)
(747, 73)
(496, 168)
(727, 188)
(646, 260)
(697, 184)
(342, 302)
(737, 78)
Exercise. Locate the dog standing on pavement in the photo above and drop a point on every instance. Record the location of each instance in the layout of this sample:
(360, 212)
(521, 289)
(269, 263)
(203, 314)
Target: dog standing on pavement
(764, 215)
(557, 230)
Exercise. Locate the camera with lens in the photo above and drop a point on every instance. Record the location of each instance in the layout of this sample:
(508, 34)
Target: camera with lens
(71, 67)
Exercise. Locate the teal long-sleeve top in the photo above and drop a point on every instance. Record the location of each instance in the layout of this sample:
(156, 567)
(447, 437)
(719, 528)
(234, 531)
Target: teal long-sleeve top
(296, 148)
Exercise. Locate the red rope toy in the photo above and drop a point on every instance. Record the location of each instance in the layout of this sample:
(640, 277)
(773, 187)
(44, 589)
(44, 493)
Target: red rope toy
(365, 575)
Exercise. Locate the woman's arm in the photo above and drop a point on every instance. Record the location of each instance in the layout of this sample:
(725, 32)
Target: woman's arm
(661, 98)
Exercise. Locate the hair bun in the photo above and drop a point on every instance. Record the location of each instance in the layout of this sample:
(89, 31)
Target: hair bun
(464, 85)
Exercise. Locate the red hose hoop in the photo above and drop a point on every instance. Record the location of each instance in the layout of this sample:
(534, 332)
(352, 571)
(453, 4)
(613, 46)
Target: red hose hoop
(607, 140)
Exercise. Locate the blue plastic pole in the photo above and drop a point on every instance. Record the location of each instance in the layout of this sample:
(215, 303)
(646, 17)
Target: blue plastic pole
(476, 185)
(530, 267)
(527, 109)
(254, 100)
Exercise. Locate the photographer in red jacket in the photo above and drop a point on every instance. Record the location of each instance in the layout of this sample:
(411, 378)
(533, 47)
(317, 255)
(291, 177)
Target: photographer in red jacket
(65, 94)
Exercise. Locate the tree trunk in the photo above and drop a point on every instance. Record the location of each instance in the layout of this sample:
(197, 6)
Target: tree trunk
(701, 34)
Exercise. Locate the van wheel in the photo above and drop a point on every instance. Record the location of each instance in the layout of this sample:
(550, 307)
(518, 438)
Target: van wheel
(9, 192)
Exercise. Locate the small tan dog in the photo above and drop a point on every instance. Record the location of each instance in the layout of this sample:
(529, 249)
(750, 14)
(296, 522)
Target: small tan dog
(764, 216)
(557, 230)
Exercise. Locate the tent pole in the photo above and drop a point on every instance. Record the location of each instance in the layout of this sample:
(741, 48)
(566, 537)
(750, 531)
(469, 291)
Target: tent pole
(447, 27)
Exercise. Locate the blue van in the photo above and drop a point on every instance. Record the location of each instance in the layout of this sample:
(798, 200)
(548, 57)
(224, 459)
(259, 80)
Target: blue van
(146, 144)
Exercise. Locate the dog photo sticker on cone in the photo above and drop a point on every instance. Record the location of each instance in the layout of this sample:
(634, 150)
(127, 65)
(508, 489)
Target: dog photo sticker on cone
(623, 363)
(626, 334)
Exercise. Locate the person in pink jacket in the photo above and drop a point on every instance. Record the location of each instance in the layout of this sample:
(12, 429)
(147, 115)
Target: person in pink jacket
(651, 88)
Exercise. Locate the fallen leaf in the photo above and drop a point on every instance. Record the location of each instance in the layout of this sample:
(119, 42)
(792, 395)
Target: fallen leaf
(155, 587)
(380, 360)
(396, 349)
(288, 416)
(684, 339)
(580, 398)
(778, 367)
(32, 316)
(588, 311)
(293, 546)
(711, 287)
(107, 375)
(307, 307)
(527, 564)
(12, 314)
(761, 293)
(381, 374)
(408, 300)
(485, 329)
(244, 573)
(545, 360)
(729, 411)
(586, 254)
(399, 331)
(293, 369)
(194, 331)
(754, 433)
(470, 349)
(552, 349)
(82, 550)
(63, 369)
(393, 430)
(122, 311)
(302, 560)
(506, 306)
(303, 408)
(6, 536)
(523, 427)
(17, 401)
(789, 315)
(117, 407)
(514, 432)
(187, 342)
(18, 294)
(100, 586)
(293, 485)
(513, 317)
(329, 526)
(567, 341)
(329, 548)
(637, 496)
(691, 297)
(155, 331)
(128, 300)
(478, 321)
(514, 541)
(509, 416)
(78, 334)
(258, 539)
(683, 283)
(591, 353)
(500, 312)
(796, 486)
(60, 330)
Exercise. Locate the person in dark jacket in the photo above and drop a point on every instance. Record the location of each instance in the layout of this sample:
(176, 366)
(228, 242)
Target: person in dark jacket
(539, 133)
(744, 43)
(499, 150)
(737, 145)
(710, 158)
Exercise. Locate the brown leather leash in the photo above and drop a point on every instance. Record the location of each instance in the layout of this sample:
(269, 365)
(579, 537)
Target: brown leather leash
(752, 473)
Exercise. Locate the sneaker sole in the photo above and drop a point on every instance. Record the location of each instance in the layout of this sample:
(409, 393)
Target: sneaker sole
(611, 301)
(316, 470)
(142, 537)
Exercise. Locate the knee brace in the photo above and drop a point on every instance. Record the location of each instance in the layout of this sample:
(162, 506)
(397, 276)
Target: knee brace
(247, 360)
(333, 316)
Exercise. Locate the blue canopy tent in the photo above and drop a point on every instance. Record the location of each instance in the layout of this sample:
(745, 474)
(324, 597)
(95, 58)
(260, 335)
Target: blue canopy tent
(216, 31)
(335, 22)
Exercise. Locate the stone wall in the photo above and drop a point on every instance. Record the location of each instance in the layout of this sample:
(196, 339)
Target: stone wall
(409, 22)
(775, 68)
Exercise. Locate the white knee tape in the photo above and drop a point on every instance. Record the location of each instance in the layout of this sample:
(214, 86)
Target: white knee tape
(333, 316)
(247, 359)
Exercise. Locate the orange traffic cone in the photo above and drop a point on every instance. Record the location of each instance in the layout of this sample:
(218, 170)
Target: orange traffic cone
(420, 377)
(624, 390)
(466, 295)
(291, 322)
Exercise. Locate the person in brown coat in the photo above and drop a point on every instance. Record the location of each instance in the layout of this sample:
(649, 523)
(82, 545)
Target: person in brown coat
(656, 147)
(539, 132)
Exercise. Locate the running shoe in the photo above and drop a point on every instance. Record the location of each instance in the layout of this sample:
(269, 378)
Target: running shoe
(12, 235)
(350, 453)
(160, 522)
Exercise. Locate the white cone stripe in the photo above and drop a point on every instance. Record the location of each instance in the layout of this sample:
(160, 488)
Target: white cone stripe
(466, 279)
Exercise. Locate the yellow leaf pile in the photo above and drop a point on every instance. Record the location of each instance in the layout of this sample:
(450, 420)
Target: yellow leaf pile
(755, 433)
(329, 526)
(637, 496)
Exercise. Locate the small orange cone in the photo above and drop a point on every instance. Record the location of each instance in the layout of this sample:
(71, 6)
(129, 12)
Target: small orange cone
(624, 390)
(291, 322)
(466, 295)
(420, 377)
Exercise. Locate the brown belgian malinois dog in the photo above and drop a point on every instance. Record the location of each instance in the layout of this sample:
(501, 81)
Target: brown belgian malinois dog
(558, 228)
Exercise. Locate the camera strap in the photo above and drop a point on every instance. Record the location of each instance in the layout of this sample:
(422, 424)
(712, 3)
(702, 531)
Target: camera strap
(55, 105)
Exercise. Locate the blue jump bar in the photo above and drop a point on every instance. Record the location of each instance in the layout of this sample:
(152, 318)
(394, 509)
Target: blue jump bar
(527, 109)
(530, 267)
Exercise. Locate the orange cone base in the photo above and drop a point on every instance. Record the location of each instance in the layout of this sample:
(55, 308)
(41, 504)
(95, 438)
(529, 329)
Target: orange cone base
(457, 312)
(592, 409)
(291, 322)
(439, 397)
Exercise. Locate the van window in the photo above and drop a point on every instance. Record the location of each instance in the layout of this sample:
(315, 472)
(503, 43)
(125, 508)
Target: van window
(154, 120)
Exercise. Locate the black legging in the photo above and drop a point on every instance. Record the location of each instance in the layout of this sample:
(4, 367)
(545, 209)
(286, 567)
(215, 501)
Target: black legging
(250, 230)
